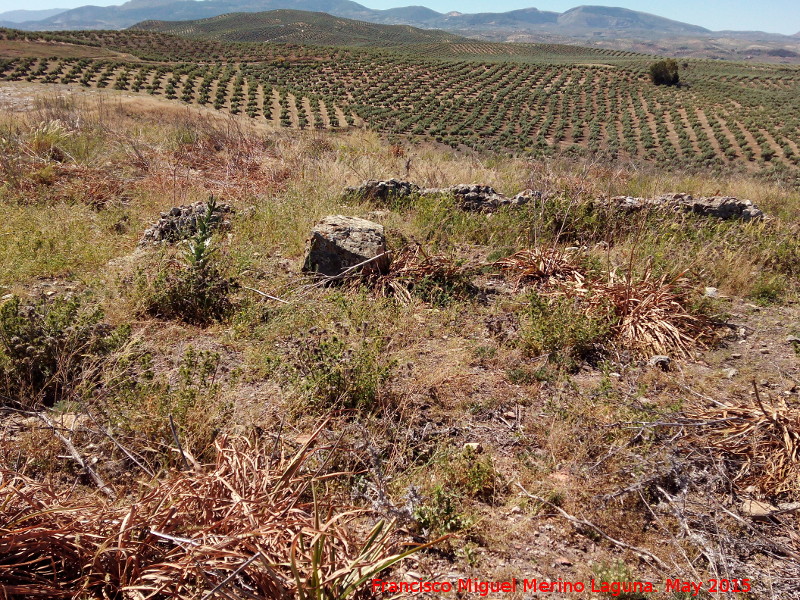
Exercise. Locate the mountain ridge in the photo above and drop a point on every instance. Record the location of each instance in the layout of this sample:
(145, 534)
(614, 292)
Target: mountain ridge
(299, 27)
(580, 17)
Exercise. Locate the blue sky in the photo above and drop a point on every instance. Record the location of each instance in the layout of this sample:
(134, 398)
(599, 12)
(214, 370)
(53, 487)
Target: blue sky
(779, 16)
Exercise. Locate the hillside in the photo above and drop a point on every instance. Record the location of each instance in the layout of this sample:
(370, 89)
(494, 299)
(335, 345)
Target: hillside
(606, 18)
(580, 18)
(574, 386)
(377, 308)
(20, 16)
(299, 27)
(528, 99)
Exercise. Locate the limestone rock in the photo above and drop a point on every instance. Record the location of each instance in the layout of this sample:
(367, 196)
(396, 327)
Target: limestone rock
(180, 222)
(470, 196)
(373, 189)
(721, 207)
(338, 243)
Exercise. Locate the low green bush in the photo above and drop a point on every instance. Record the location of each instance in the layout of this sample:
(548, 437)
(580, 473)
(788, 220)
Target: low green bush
(194, 289)
(51, 349)
(561, 328)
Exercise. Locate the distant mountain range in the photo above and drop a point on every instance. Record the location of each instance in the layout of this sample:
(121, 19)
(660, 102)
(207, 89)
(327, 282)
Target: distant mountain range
(300, 27)
(596, 26)
(580, 19)
(21, 16)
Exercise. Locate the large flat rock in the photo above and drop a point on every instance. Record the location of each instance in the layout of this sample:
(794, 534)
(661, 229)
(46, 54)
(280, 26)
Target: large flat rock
(338, 243)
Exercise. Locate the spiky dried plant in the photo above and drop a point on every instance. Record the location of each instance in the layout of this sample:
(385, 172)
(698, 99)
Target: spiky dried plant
(412, 269)
(541, 265)
(251, 526)
(761, 439)
(650, 313)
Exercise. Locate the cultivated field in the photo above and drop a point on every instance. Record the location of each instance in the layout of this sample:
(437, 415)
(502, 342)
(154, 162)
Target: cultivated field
(574, 386)
(526, 99)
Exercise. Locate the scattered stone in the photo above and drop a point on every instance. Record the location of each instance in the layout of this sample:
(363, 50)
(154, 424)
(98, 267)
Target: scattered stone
(731, 373)
(373, 189)
(338, 243)
(793, 339)
(711, 292)
(562, 561)
(476, 198)
(475, 447)
(484, 198)
(662, 362)
(180, 222)
(471, 197)
(758, 510)
(721, 207)
(377, 215)
(736, 355)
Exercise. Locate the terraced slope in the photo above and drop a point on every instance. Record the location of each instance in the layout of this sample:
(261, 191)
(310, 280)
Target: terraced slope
(526, 99)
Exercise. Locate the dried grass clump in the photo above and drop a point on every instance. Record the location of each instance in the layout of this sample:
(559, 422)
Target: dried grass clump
(412, 272)
(650, 313)
(544, 265)
(250, 527)
(763, 441)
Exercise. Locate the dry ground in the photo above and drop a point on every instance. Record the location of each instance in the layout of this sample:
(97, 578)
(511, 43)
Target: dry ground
(603, 436)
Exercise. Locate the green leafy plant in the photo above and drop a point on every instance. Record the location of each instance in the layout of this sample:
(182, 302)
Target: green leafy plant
(138, 402)
(332, 373)
(561, 328)
(665, 72)
(439, 516)
(51, 348)
(195, 291)
(473, 475)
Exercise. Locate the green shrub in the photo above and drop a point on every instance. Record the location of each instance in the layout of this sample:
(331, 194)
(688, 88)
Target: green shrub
(194, 290)
(665, 72)
(561, 329)
(768, 290)
(473, 475)
(51, 348)
(333, 374)
(438, 515)
(140, 403)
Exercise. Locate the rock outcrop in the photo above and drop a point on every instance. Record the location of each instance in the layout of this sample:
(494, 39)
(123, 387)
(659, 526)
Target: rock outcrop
(338, 243)
(721, 207)
(373, 189)
(180, 222)
(470, 196)
(483, 198)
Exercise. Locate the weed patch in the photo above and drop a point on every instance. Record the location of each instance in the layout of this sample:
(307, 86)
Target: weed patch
(52, 348)
(332, 373)
(193, 290)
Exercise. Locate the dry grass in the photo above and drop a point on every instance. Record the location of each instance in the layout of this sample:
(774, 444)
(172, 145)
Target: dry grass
(762, 439)
(649, 314)
(192, 533)
(652, 315)
(541, 265)
(412, 270)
